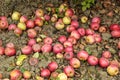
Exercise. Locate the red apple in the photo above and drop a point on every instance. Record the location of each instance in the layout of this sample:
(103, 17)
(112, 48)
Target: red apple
(52, 66)
(54, 75)
(48, 40)
(92, 60)
(4, 18)
(30, 24)
(69, 12)
(15, 75)
(96, 19)
(97, 38)
(106, 54)
(72, 40)
(46, 48)
(1, 76)
(26, 50)
(69, 71)
(1, 42)
(74, 17)
(103, 62)
(75, 34)
(68, 49)
(12, 27)
(2, 50)
(45, 73)
(38, 22)
(115, 63)
(31, 42)
(39, 13)
(3, 24)
(82, 55)
(81, 31)
(23, 19)
(70, 28)
(57, 48)
(115, 33)
(68, 55)
(62, 38)
(31, 33)
(10, 45)
(89, 31)
(10, 51)
(118, 45)
(67, 43)
(75, 63)
(94, 26)
(114, 27)
(47, 17)
(75, 23)
(18, 31)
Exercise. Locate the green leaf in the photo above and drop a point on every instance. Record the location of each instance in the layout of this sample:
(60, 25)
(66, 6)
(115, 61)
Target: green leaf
(36, 55)
(93, 1)
(90, 1)
(88, 50)
(57, 78)
(43, 36)
(57, 10)
(10, 68)
(84, 8)
(22, 70)
(83, 3)
(88, 5)
(46, 23)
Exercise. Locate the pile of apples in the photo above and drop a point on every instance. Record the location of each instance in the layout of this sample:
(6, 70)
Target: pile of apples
(63, 48)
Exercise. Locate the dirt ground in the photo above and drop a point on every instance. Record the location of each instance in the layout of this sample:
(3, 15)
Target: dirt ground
(102, 8)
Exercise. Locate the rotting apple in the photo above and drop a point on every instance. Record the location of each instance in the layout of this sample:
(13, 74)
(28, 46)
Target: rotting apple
(36, 47)
(68, 55)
